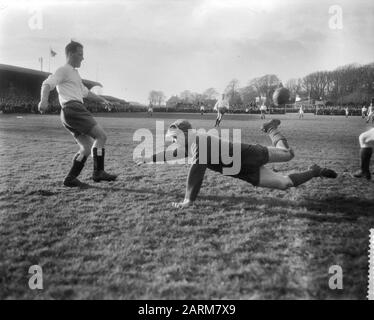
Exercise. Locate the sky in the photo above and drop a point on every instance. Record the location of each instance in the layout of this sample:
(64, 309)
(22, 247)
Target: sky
(135, 46)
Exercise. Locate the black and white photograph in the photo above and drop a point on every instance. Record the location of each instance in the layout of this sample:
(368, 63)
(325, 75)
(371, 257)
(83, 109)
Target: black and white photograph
(186, 154)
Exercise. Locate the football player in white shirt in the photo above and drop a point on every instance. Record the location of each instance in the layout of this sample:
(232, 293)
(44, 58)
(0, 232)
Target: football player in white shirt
(301, 112)
(363, 111)
(370, 112)
(221, 106)
(366, 141)
(88, 134)
(202, 109)
(346, 109)
(263, 110)
(150, 110)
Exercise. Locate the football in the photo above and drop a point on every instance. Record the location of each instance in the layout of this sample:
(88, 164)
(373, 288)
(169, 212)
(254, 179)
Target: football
(281, 96)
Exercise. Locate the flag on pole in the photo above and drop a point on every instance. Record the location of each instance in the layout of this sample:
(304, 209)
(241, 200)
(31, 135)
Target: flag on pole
(297, 98)
(53, 53)
(41, 63)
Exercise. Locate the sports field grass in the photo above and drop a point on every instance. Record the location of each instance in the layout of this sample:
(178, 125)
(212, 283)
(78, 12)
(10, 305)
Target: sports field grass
(123, 240)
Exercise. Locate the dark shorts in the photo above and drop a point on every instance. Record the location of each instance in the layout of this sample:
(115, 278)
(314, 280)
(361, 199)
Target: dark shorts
(76, 118)
(222, 110)
(253, 158)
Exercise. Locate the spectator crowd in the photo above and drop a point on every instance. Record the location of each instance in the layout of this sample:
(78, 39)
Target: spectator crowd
(24, 102)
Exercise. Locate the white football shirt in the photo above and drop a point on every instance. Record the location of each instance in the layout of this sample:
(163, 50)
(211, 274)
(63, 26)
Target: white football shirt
(69, 84)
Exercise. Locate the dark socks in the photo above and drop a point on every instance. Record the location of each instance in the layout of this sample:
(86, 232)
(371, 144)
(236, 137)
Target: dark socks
(276, 137)
(99, 173)
(302, 177)
(365, 154)
(77, 166)
(98, 160)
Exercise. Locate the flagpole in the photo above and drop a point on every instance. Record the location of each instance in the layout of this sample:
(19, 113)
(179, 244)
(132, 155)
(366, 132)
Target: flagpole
(41, 63)
(49, 60)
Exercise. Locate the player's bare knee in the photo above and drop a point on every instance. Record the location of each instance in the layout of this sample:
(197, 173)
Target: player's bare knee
(283, 186)
(285, 183)
(290, 154)
(86, 151)
(101, 138)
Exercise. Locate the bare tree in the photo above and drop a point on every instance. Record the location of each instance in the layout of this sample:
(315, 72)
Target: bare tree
(347, 84)
(152, 97)
(248, 94)
(156, 97)
(265, 85)
(232, 88)
(210, 94)
(187, 96)
(160, 98)
(294, 86)
(172, 102)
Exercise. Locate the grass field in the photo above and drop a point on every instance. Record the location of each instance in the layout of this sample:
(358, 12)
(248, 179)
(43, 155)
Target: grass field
(123, 240)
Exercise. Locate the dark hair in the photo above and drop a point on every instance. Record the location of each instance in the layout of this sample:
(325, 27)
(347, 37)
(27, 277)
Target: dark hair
(72, 47)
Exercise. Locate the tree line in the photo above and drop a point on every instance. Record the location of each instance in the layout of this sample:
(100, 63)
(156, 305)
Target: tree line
(350, 84)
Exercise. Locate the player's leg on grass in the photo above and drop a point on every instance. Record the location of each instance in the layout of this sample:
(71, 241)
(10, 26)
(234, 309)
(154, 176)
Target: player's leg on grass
(218, 120)
(274, 180)
(98, 155)
(216, 124)
(281, 151)
(85, 143)
(366, 140)
(370, 117)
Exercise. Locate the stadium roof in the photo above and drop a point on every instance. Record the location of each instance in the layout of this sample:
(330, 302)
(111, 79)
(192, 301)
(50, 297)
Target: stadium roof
(39, 74)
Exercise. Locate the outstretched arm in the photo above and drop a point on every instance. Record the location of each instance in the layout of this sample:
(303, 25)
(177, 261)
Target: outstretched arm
(92, 96)
(44, 95)
(95, 97)
(194, 181)
(162, 156)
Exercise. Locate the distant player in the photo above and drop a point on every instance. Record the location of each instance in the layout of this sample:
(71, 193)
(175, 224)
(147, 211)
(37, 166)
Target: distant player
(253, 159)
(370, 117)
(263, 110)
(202, 109)
(88, 134)
(346, 110)
(301, 112)
(364, 111)
(366, 141)
(150, 110)
(221, 106)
